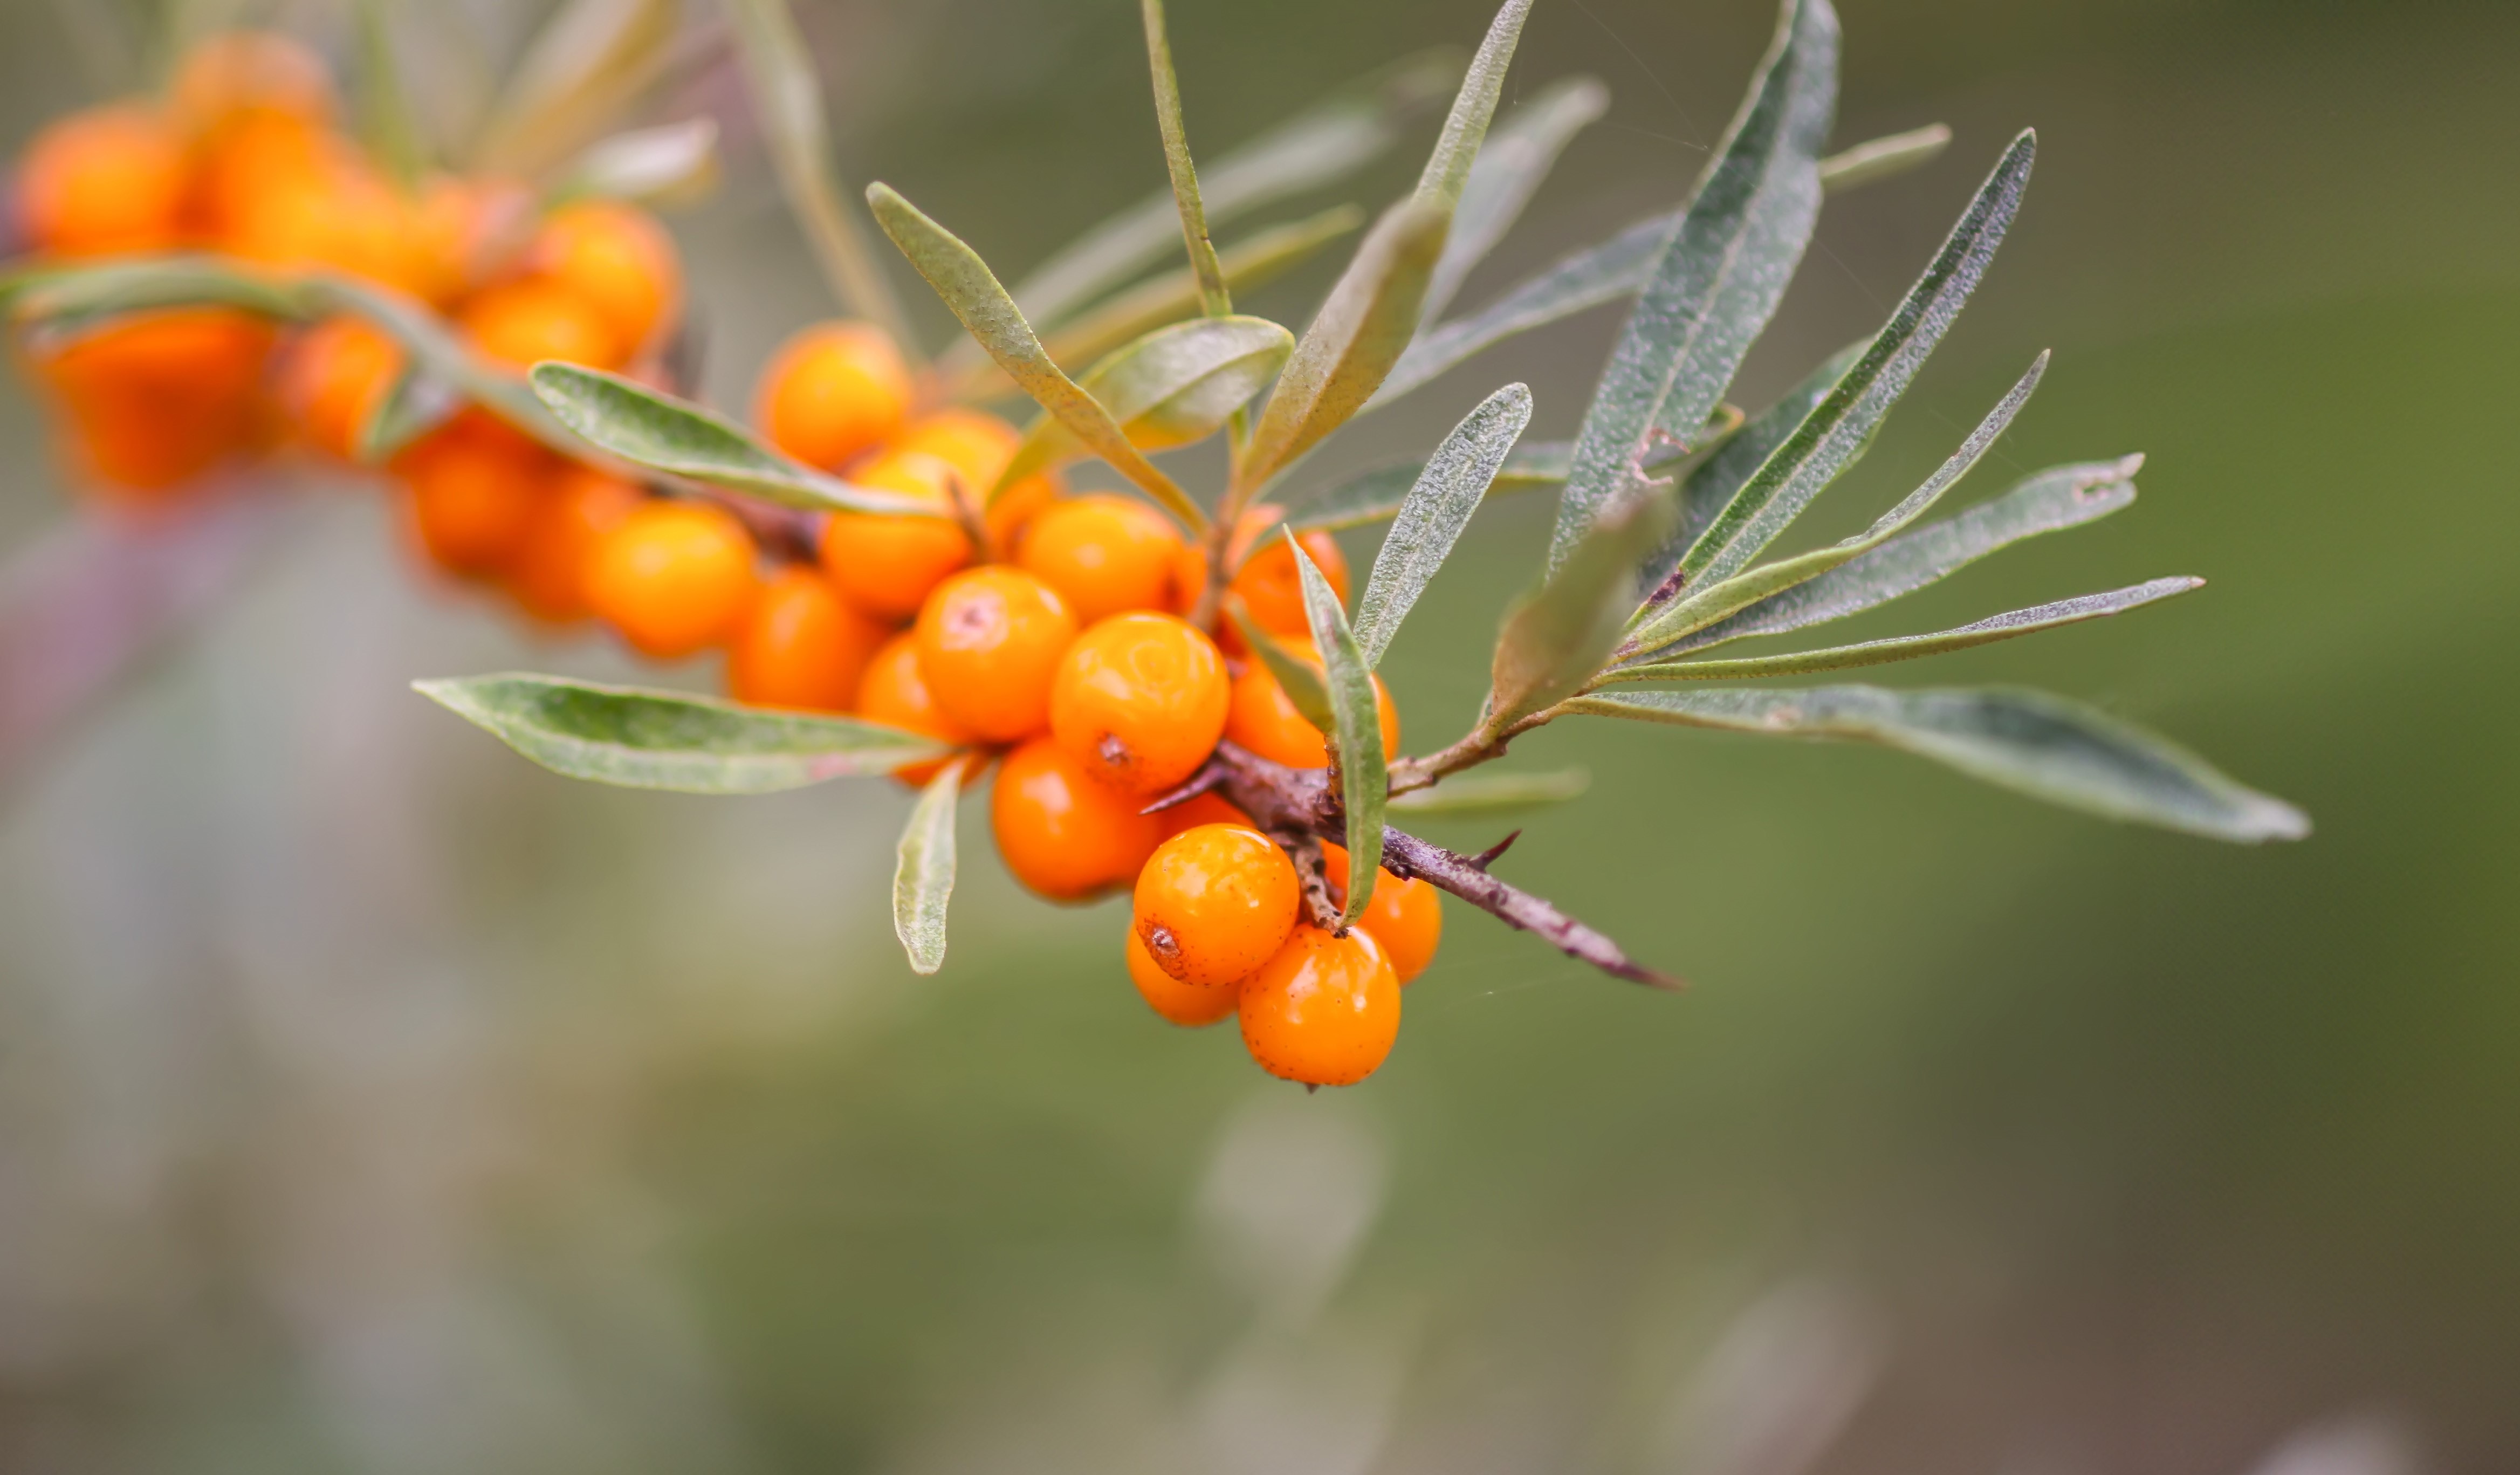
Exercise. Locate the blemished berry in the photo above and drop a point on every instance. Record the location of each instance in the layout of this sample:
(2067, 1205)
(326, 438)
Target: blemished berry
(1407, 918)
(617, 259)
(102, 182)
(895, 694)
(885, 564)
(250, 71)
(1263, 721)
(522, 323)
(978, 446)
(1204, 808)
(548, 577)
(1108, 555)
(673, 578)
(989, 642)
(334, 377)
(1188, 1005)
(1062, 833)
(154, 400)
(1140, 700)
(1324, 1010)
(476, 489)
(833, 393)
(1214, 902)
(801, 646)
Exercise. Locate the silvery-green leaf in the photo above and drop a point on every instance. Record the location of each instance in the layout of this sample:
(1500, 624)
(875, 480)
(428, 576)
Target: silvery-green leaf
(580, 71)
(667, 740)
(1172, 387)
(972, 291)
(1375, 495)
(417, 404)
(1209, 274)
(1486, 791)
(1555, 639)
(670, 163)
(1465, 127)
(1518, 155)
(1881, 158)
(69, 298)
(2002, 627)
(922, 875)
(2034, 742)
(1301, 680)
(1719, 280)
(1710, 487)
(651, 428)
(1356, 734)
(1432, 516)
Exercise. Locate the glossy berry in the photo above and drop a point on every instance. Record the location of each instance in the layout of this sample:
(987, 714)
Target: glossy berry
(895, 694)
(801, 646)
(885, 564)
(978, 446)
(547, 576)
(1188, 1004)
(673, 578)
(833, 393)
(101, 181)
(333, 379)
(1407, 918)
(1215, 903)
(1205, 809)
(1324, 1010)
(477, 488)
(1268, 583)
(154, 400)
(989, 644)
(618, 260)
(1108, 555)
(1140, 700)
(1263, 721)
(1064, 835)
(522, 323)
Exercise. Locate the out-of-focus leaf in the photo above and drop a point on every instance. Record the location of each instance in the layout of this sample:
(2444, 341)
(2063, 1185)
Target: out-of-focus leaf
(1712, 292)
(1170, 389)
(1711, 486)
(1433, 514)
(923, 875)
(650, 428)
(435, 350)
(417, 404)
(392, 129)
(1985, 632)
(1375, 495)
(1487, 793)
(1357, 734)
(670, 163)
(2034, 742)
(1555, 639)
(66, 298)
(1301, 680)
(2050, 501)
(667, 740)
(1518, 155)
(1214, 299)
(1881, 159)
(581, 71)
(972, 291)
(1465, 127)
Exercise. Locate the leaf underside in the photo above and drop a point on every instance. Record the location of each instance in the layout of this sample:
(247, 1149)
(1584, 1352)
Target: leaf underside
(923, 875)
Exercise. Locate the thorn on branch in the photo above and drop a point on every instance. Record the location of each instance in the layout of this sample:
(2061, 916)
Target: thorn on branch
(1488, 857)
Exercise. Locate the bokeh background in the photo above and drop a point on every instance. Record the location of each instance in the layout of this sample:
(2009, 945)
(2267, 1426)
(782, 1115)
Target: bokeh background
(373, 1102)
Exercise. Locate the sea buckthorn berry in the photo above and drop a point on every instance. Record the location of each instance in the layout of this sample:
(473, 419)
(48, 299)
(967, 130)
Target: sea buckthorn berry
(106, 180)
(1407, 918)
(1263, 721)
(1140, 700)
(523, 322)
(802, 646)
(895, 694)
(886, 564)
(615, 257)
(548, 577)
(832, 392)
(333, 378)
(673, 577)
(1324, 1010)
(466, 232)
(1215, 903)
(1271, 589)
(1205, 809)
(1188, 1004)
(1105, 553)
(978, 446)
(989, 642)
(156, 399)
(1062, 833)
(477, 487)
(250, 71)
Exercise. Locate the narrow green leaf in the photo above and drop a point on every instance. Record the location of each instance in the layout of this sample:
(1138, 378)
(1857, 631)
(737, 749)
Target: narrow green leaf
(69, 298)
(1301, 680)
(1518, 155)
(1720, 279)
(1489, 792)
(1375, 495)
(1465, 127)
(1881, 159)
(417, 404)
(2002, 627)
(2034, 742)
(1555, 639)
(1214, 299)
(666, 739)
(391, 130)
(582, 69)
(435, 350)
(669, 163)
(1433, 514)
(1712, 485)
(1173, 387)
(972, 291)
(923, 876)
(1356, 736)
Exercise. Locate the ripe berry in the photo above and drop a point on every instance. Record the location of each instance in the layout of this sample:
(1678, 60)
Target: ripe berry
(156, 399)
(1140, 700)
(885, 564)
(333, 378)
(250, 71)
(477, 487)
(1407, 918)
(895, 694)
(616, 258)
(977, 447)
(104, 181)
(989, 642)
(548, 577)
(1215, 903)
(522, 322)
(801, 646)
(1188, 1004)
(1205, 809)
(1270, 586)
(1106, 554)
(1263, 721)
(1324, 1010)
(833, 391)
(673, 578)
(1063, 834)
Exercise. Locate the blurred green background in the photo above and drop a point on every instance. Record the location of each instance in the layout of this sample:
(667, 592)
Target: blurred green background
(371, 1101)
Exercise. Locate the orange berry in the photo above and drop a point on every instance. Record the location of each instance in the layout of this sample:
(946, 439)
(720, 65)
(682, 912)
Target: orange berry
(674, 577)
(885, 564)
(1263, 721)
(157, 399)
(1215, 903)
(1205, 809)
(978, 446)
(547, 576)
(1324, 1010)
(801, 646)
(1188, 1004)
(1106, 554)
(250, 71)
(896, 693)
(616, 258)
(1063, 834)
(523, 322)
(1141, 700)
(1270, 587)
(1407, 918)
(477, 487)
(333, 378)
(990, 642)
(833, 391)
(103, 181)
